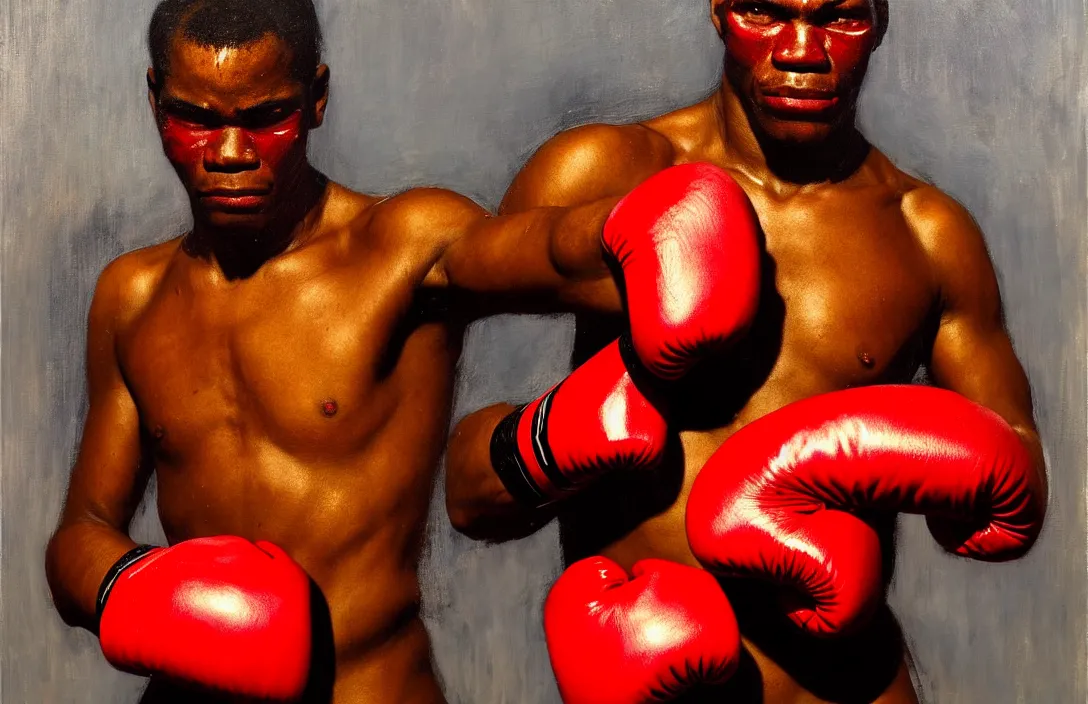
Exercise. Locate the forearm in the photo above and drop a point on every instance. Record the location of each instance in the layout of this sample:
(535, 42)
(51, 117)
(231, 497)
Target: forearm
(576, 247)
(477, 502)
(542, 260)
(78, 557)
(569, 240)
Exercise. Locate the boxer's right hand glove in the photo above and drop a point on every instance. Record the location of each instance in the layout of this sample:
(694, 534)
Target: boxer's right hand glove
(221, 613)
(650, 638)
(595, 421)
(687, 240)
(779, 499)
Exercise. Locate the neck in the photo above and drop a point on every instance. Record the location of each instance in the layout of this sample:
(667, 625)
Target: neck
(767, 160)
(239, 254)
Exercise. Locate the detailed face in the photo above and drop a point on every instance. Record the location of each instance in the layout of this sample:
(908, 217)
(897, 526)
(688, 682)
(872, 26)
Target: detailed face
(797, 65)
(233, 123)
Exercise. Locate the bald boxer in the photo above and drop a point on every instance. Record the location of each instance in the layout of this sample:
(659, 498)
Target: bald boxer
(866, 275)
(285, 370)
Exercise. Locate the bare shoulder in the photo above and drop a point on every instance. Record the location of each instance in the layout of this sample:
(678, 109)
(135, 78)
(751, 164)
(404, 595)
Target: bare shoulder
(128, 283)
(589, 163)
(427, 218)
(944, 227)
(940, 223)
(951, 239)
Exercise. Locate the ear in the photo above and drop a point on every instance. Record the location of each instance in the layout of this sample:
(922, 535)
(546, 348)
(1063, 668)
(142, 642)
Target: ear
(881, 30)
(717, 15)
(880, 17)
(153, 93)
(319, 92)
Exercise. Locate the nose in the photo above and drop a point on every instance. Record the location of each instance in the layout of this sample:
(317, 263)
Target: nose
(800, 48)
(231, 152)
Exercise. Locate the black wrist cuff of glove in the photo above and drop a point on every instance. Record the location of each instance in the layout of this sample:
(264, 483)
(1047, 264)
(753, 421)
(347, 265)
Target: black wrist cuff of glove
(509, 466)
(127, 560)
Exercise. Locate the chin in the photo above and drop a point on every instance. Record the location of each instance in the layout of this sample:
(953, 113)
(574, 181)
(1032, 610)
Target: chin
(247, 222)
(796, 132)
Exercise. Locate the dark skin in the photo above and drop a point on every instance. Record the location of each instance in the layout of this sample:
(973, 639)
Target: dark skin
(286, 368)
(868, 274)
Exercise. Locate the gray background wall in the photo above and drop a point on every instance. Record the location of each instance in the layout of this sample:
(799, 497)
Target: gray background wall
(980, 96)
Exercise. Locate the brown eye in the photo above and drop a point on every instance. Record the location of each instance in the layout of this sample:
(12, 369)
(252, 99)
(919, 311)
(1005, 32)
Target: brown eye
(848, 24)
(191, 117)
(754, 13)
(855, 21)
(267, 119)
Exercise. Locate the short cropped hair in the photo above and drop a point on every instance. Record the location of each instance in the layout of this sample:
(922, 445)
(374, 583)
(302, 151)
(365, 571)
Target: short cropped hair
(234, 23)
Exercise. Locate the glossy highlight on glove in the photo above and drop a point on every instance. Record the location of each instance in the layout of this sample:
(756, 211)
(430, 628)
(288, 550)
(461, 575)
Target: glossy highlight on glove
(687, 240)
(777, 501)
(595, 421)
(220, 613)
(649, 638)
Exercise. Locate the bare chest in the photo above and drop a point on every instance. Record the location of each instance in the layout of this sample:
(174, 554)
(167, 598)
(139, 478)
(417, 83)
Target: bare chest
(848, 293)
(302, 363)
(847, 300)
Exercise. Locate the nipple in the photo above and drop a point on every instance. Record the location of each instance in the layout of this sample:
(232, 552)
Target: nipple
(329, 408)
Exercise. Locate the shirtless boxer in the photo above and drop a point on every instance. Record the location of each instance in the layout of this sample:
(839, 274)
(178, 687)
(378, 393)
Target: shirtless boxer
(867, 274)
(286, 370)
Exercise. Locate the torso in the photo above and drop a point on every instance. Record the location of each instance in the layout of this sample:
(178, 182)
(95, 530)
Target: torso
(848, 300)
(306, 405)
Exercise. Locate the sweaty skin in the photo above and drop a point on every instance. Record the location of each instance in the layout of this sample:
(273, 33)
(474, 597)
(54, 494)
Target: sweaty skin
(868, 274)
(286, 368)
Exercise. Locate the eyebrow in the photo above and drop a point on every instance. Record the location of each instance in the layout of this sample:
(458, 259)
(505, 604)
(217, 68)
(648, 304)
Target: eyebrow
(836, 4)
(270, 106)
(184, 106)
(830, 4)
(867, 3)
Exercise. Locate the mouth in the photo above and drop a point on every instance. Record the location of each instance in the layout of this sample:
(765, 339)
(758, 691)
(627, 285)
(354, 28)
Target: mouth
(799, 101)
(235, 199)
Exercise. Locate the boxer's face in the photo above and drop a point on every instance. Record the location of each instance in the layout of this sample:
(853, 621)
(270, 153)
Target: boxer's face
(233, 123)
(797, 65)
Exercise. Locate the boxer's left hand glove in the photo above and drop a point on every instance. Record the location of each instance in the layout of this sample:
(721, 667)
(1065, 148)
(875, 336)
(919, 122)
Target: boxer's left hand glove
(687, 240)
(648, 638)
(220, 613)
(776, 500)
(594, 422)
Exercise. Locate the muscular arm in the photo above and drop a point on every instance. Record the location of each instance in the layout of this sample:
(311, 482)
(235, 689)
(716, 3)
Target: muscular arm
(476, 500)
(572, 183)
(108, 479)
(972, 353)
(543, 252)
(544, 259)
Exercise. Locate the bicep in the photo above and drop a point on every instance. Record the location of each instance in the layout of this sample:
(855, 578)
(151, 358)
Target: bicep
(972, 353)
(109, 475)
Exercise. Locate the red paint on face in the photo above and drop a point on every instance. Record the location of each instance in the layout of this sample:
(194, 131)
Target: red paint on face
(188, 143)
(275, 141)
(799, 60)
(842, 44)
(234, 124)
(198, 149)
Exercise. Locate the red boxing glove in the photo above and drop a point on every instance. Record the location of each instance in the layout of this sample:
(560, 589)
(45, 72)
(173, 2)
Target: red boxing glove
(220, 613)
(648, 639)
(687, 239)
(774, 501)
(593, 422)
